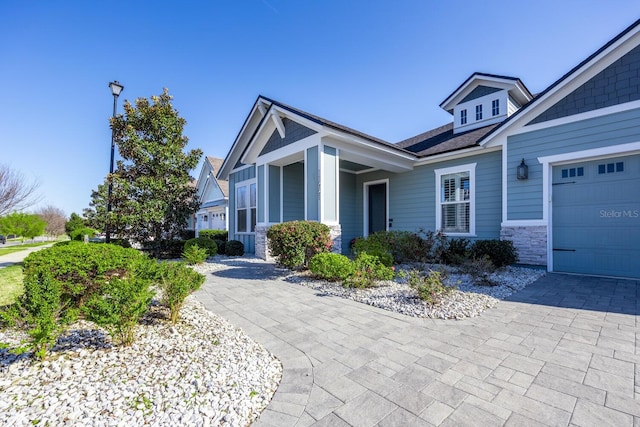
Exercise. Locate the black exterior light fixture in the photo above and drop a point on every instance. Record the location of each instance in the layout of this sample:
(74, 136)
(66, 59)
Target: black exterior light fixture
(116, 89)
(523, 170)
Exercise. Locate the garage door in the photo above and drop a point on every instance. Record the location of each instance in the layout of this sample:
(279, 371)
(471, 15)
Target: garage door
(596, 217)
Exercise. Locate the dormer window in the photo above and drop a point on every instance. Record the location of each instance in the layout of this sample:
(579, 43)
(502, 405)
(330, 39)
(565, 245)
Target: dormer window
(495, 107)
(479, 112)
(463, 117)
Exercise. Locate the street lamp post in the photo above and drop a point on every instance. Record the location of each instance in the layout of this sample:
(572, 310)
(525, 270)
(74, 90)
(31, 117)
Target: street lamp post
(116, 89)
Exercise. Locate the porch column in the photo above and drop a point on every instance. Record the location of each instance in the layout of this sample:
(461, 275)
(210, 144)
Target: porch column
(330, 194)
(312, 184)
(273, 194)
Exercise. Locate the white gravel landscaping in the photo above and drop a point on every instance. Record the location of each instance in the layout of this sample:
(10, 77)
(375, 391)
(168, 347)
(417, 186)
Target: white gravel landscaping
(200, 372)
(467, 300)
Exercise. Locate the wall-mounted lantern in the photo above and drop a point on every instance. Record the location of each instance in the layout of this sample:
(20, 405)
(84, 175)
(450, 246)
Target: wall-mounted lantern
(523, 171)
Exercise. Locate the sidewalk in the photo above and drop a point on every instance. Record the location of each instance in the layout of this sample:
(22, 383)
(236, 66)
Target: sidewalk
(16, 257)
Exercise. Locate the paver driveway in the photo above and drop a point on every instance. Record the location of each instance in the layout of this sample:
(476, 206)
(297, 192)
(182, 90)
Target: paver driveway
(565, 351)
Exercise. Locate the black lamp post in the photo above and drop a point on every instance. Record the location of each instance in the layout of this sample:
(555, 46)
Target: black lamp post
(116, 89)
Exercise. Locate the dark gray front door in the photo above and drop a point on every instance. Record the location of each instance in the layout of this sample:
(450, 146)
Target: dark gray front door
(596, 217)
(377, 208)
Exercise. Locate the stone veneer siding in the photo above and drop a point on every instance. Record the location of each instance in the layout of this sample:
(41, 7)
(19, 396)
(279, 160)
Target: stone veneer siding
(530, 242)
(262, 248)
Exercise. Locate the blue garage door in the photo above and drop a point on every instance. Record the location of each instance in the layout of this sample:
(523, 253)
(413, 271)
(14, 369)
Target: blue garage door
(596, 217)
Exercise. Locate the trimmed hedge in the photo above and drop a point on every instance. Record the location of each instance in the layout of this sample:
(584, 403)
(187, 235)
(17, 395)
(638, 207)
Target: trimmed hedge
(294, 243)
(214, 234)
(108, 283)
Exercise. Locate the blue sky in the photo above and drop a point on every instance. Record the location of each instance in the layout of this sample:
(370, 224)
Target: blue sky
(381, 67)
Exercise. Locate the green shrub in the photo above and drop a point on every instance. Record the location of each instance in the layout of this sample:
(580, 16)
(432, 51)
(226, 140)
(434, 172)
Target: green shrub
(67, 276)
(479, 269)
(234, 248)
(294, 243)
(434, 246)
(404, 246)
(214, 234)
(40, 309)
(430, 287)
(177, 282)
(204, 243)
(79, 233)
(331, 266)
(194, 254)
(222, 250)
(456, 252)
(500, 252)
(367, 270)
(81, 269)
(375, 245)
(121, 302)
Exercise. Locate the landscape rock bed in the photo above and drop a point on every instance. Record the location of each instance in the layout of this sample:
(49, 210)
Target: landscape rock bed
(467, 300)
(202, 371)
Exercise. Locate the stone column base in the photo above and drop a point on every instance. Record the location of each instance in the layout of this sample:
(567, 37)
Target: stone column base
(336, 238)
(529, 241)
(262, 247)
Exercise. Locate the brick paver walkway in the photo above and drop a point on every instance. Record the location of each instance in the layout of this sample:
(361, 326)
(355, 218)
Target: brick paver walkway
(565, 351)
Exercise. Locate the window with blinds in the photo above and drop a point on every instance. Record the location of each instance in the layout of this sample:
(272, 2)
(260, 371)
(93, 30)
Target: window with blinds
(455, 202)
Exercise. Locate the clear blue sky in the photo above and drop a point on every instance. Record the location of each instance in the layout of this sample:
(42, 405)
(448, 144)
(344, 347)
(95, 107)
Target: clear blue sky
(381, 67)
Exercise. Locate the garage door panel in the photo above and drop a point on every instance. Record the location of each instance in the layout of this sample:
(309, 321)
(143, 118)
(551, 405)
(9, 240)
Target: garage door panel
(596, 217)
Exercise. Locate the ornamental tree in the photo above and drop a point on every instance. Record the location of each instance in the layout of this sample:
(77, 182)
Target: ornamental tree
(22, 224)
(152, 196)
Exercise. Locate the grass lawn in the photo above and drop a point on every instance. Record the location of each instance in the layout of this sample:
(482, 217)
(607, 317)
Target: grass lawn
(10, 284)
(12, 249)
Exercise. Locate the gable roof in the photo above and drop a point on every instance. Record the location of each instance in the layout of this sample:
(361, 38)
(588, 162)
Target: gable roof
(330, 124)
(216, 164)
(515, 85)
(562, 81)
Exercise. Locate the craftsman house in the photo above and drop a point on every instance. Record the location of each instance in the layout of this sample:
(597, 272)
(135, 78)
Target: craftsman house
(557, 173)
(214, 197)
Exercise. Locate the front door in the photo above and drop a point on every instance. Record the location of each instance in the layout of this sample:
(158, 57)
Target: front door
(376, 208)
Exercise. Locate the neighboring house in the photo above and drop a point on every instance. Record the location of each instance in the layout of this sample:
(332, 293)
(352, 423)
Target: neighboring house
(214, 198)
(558, 173)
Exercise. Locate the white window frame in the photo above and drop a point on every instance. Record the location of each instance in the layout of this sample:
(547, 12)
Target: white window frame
(248, 183)
(463, 117)
(495, 107)
(478, 112)
(471, 170)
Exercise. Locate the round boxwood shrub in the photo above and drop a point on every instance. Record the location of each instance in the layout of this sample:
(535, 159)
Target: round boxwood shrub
(500, 252)
(294, 243)
(221, 246)
(331, 266)
(204, 243)
(234, 248)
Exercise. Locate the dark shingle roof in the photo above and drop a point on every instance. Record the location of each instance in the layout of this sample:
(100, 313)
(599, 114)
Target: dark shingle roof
(443, 140)
(324, 122)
